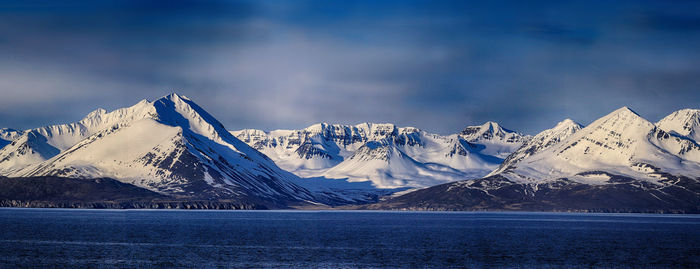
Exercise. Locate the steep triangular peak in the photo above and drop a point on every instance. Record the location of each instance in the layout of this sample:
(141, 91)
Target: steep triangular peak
(613, 138)
(172, 146)
(540, 142)
(622, 143)
(180, 111)
(173, 109)
(484, 131)
(684, 122)
(498, 141)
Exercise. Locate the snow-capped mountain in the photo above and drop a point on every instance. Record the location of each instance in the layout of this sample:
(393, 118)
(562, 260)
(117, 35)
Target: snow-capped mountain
(685, 122)
(497, 141)
(386, 155)
(8, 135)
(170, 145)
(621, 143)
(539, 142)
(39, 144)
(316, 147)
(619, 163)
(25, 150)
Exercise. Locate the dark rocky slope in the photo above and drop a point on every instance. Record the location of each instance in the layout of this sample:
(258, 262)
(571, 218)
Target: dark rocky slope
(497, 193)
(58, 192)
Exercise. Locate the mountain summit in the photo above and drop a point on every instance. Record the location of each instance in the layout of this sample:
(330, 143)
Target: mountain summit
(685, 122)
(497, 141)
(622, 143)
(170, 146)
(619, 163)
(384, 154)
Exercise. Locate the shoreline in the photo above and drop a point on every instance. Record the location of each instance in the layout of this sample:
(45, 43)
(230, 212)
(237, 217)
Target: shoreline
(220, 206)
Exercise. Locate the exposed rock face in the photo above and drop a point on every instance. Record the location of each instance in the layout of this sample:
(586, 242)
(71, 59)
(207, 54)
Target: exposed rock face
(622, 194)
(497, 141)
(539, 142)
(60, 192)
(170, 153)
(685, 122)
(384, 154)
(323, 145)
(621, 143)
(619, 163)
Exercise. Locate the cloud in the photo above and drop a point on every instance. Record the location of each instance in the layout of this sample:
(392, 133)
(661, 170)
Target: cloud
(434, 65)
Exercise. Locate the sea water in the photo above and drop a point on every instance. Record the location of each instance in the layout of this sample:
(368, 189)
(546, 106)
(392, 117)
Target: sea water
(343, 239)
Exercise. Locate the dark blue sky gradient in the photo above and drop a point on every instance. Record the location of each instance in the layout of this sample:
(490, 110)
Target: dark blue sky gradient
(436, 65)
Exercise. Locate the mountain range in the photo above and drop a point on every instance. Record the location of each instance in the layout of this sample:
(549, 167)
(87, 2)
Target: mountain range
(619, 163)
(384, 154)
(172, 153)
(170, 146)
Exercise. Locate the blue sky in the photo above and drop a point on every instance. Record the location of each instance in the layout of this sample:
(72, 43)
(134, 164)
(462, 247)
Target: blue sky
(436, 65)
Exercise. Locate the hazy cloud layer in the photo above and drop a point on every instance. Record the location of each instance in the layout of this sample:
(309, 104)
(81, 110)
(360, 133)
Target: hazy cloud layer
(437, 65)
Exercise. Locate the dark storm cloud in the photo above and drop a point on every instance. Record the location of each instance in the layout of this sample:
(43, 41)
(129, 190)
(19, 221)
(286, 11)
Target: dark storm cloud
(438, 65)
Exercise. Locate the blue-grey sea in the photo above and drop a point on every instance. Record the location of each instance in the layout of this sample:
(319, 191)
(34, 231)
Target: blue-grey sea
(343, 239)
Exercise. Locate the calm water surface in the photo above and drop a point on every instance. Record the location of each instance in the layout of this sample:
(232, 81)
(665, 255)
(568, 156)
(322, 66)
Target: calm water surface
(337, 239)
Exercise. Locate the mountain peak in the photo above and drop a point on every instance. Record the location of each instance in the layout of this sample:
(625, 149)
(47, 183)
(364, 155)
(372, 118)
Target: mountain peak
(539, 142)
(684, 122)
(693, 111)
(489, 127)
(8, 130)
(490, 124)
(624, 113)
(686, 115)
(96, 112)
(625, 110)
(372, 125)
(622, 121)
(170, 145)
(172, 97)
(7, 135)
(567, 123)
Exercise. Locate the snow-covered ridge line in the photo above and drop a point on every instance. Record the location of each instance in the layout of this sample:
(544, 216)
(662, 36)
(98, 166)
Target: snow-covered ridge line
(539, 142)
(8, 135)
(169, 145)
(621, 143)
(385, 154)
(684, 122)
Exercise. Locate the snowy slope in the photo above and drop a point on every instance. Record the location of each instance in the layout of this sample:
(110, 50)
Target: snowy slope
(8, 135)
(620, 143)
(619, 163)
(685, 122)
(497, 141)
(387, 165)
(28, 149)
(39, 144)
(386, 155)
(316, 147)
(171, 146)
(540, 142)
